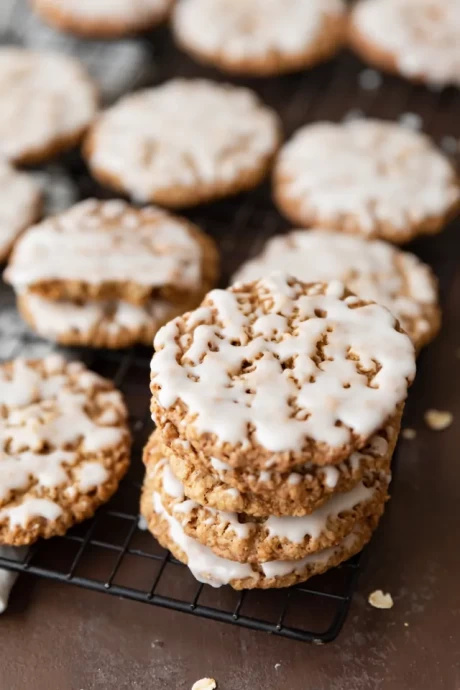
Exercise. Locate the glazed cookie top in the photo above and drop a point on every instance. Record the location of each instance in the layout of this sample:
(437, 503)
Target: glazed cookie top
(182, 134)
(421, 37)
(59, 425)
(108, 249)
(399, 180)
(280, 371)
(20, 204)
(100, 10)
(239, 31)
(372, 269)
(46, 99)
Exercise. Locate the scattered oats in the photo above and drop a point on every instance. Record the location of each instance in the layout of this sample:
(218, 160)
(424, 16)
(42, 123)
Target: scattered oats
(277, 666)
(369, 79)
(205, 684)
(438, 420)
(408, 434)
(411, 120)
(449, 144)
(379, 600)
(353, 114)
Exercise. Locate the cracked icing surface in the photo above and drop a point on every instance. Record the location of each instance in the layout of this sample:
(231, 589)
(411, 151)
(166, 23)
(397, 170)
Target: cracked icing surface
(281, 370)
(183, 142)
(241, 538)
(370, 268)
(48, 101)
(260, 36)
(109, 250)
(64, 446)
(371, 177)
(417, 38)
(20, 205)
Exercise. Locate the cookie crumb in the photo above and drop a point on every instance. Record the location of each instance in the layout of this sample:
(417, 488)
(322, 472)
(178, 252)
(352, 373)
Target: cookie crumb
(408, 434)
(277, 666)
(205, 684)
(438, 420)
(380, 600)
(406, 624)
(370, 79)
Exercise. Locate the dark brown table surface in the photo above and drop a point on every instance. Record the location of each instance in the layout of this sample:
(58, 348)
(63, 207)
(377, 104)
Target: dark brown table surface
(61, 637)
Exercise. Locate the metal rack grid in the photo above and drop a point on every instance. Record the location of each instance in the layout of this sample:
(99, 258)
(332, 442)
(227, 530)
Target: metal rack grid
(110, 553)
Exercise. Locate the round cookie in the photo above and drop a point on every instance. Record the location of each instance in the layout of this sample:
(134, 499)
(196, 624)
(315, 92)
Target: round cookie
(110, 250)
(276, 373)
(211, 569)
(247, 540)
(20, 205)
(103, 324)
(418, 39)
(65, 446)
(183, 143)
(371, 269)
(267, 492)
(260, 37)
(103, 18)
(48, 101)
(369, 177)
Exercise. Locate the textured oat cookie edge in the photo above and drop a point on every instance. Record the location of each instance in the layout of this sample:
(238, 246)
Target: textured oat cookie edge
(259, 546)
(159, 528)
(66, 22)
(327, 44)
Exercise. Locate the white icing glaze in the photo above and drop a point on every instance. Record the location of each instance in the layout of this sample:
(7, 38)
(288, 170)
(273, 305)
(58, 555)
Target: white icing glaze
(91, 474)
(183, 134)
(48, 469)
(45, 97)
(294, 478)
(134, 11)
(30, 508)
(171, 484)
(399, 178)
(203, 563)
(92, 242)
(19, 204)
(421, 35)
(331, 476)
(223, 397)
(238, 30)
(53, 319)
(219, 465)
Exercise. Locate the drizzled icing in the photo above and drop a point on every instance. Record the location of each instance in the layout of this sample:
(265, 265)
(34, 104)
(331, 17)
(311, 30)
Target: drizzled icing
(216, 571)
(421, 35)
(45, 98)
(97, 242)
(19, 205)
(398, 179)
(374, 270)
(182, 134)
(106, 10)
(248, 357)
(57, 423)
(241, 30)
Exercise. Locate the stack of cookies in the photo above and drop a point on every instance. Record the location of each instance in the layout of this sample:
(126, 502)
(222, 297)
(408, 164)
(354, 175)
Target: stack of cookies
(105, 274)
(278, 405)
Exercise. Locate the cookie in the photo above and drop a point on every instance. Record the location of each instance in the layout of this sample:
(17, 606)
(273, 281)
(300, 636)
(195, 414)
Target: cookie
(260, 37)
(65, 446)
(110, 250)
(369, 177)
(211, 569)
(240, 538)
(417, 39)
(48, 101)
(103, 323)
(371, 269)
(103, 18)
(299, 492)
(276, 373)
(183, 143)
(20, 205)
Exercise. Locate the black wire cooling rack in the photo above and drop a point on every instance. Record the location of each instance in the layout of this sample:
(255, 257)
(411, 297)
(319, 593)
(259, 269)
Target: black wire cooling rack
(113, 554)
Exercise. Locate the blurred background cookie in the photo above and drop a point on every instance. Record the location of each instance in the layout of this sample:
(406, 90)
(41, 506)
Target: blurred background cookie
(20, 205)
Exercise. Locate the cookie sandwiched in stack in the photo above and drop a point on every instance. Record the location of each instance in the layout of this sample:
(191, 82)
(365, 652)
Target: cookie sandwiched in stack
(105, 274)
(278, 405)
